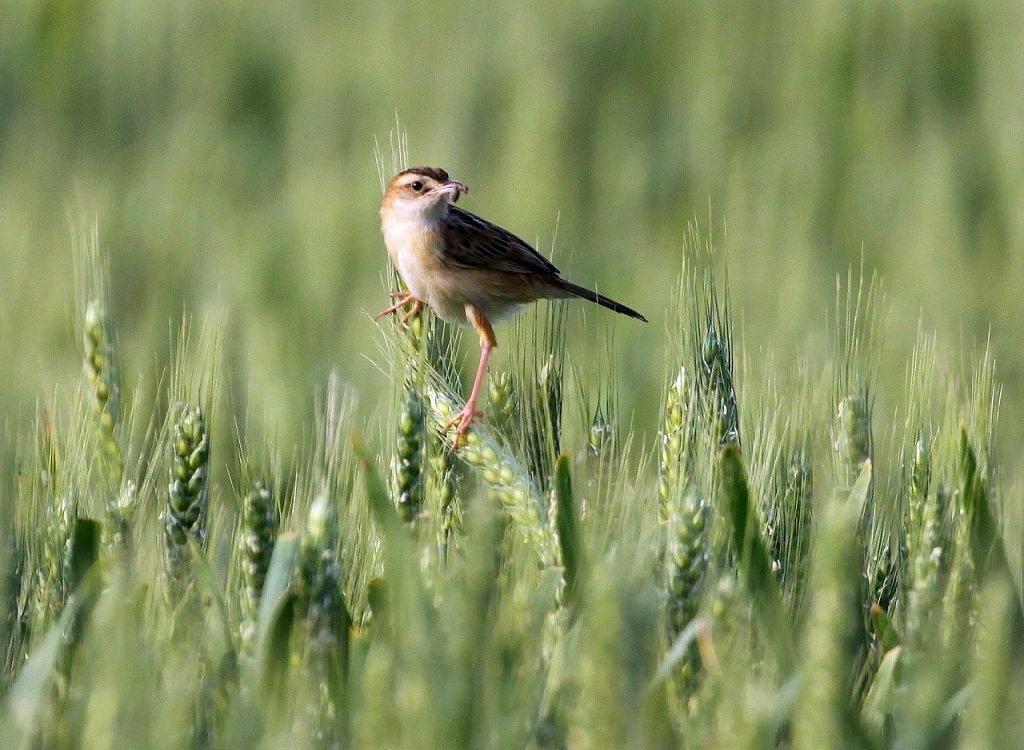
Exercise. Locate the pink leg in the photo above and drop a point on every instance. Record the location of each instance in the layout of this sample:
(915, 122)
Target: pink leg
(487, 342)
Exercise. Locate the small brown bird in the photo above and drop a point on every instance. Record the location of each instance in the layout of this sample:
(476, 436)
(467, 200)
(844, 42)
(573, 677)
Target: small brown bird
(468, 270)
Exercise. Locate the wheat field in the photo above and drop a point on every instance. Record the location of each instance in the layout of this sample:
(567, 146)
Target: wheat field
(785, 513)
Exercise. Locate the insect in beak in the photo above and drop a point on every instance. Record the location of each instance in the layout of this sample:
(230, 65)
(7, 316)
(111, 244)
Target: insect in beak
(452, 187)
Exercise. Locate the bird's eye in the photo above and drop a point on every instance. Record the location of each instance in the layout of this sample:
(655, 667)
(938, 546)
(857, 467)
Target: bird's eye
(416, 185)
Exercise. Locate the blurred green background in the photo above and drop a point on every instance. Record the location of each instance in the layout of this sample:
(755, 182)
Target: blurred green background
(226, 150)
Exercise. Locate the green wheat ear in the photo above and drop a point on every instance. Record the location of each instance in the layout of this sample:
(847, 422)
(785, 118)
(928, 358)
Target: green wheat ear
(676, 444)
(501, 401)
(101, 374)
(325, 648)
(408, 460)
(792, 530)
(856, 338)
(259, 532)
(442, 487)
(715, 370)
(319, 580)
(538, 352)
(853, 433)
(185, 515)
(686, 567)
(687, 559)
(502, 473)
(443, 480)
(99, 363)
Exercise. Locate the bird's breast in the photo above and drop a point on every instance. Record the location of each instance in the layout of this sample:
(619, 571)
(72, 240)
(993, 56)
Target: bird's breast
(413, 247)
(417, 250)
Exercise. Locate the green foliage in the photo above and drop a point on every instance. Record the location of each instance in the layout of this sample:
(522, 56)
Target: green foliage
(751, 558)
(598, 597)
(833, 634)
(568, 524)
(776, 545)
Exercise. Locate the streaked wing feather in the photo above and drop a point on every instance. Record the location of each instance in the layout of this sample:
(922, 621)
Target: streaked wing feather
(472, 242)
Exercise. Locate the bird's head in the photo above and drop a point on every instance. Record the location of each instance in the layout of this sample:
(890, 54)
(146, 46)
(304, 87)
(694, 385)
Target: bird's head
(420, 193)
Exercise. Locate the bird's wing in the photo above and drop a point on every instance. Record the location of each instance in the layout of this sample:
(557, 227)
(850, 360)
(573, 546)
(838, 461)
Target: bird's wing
(472, 242)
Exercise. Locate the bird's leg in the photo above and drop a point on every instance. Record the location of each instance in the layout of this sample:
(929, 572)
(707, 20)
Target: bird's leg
(465, 417)
(487, 342)
(404, 298)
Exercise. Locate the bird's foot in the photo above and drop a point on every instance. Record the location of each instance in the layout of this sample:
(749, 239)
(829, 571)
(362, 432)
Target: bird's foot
(404, 298)
(417, 306)
(463, 419)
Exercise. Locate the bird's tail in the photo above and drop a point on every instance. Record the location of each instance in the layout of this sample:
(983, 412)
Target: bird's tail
(575, 290)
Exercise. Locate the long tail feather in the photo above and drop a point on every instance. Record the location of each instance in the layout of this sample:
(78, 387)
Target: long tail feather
(575, 290)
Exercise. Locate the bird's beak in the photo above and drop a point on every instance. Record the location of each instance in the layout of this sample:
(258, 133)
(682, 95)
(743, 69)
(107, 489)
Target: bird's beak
(453, 188)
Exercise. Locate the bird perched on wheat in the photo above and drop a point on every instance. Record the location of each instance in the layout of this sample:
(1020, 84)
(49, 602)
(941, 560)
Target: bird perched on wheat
(468, 270)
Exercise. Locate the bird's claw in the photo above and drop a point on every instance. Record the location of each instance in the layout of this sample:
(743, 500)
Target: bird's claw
(404, 298)
(417, 306)
(463, 419)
